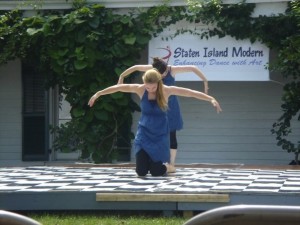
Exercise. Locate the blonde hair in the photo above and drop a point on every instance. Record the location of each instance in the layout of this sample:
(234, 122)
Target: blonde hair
(153, 76)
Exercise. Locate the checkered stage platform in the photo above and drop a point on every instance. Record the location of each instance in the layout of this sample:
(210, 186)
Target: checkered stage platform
(118, 179)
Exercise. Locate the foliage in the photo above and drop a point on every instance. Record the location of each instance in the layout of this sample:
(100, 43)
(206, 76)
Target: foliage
(228, 19)
(85, 49)
(67, 138)
(289, 66)
(13, 41)
(236, 20)
(291, 108)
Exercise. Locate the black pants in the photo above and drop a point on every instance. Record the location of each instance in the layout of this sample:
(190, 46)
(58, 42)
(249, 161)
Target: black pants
(173, 140)
(144, 164)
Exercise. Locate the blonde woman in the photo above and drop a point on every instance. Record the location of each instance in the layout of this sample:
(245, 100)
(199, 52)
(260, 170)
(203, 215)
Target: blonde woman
(151, 142)
(168, 74)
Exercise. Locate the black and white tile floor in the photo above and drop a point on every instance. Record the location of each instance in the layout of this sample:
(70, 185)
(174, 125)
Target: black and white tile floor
(118, 179)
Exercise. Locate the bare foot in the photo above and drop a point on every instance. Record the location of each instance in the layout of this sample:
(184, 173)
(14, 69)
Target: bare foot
(170, 168)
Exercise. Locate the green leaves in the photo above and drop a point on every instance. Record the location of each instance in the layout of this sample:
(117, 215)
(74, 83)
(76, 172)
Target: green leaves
(95, 22)
(117, 95)
(129, 39)
(102, 115)
(77, 112)
(80, 64)
(33, 31)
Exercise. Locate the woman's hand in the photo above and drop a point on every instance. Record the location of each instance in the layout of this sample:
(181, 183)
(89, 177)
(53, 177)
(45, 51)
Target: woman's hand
(92, 100)
(216, 105)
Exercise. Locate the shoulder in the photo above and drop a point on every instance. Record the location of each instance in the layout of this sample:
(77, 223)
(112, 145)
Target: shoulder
(140, 89)
(140, 86)
(129, 87)
(167, 90)
(136, 87)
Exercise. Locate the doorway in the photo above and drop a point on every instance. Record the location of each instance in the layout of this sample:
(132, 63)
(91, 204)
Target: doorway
(35, 127)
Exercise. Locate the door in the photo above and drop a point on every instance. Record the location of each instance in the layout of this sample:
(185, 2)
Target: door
(35, 126)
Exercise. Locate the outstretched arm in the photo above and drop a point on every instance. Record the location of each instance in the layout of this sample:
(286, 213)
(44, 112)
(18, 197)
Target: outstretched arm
(141, 68)
(131, 88)
(194, 69)
(186, 92)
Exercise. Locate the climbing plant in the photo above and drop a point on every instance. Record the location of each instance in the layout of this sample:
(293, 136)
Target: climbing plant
(85, 49)
(289, 66)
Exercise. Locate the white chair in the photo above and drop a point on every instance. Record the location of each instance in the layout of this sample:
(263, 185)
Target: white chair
(10, 218)
(248, 215)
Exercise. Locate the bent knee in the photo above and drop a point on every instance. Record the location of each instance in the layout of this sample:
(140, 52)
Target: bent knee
(141, 173)
(158, 169)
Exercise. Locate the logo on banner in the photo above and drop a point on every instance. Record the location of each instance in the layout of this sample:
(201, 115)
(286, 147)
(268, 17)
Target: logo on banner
(166, 53)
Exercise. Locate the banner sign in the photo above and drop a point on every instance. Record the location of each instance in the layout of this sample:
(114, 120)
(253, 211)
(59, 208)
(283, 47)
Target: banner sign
(220, 59)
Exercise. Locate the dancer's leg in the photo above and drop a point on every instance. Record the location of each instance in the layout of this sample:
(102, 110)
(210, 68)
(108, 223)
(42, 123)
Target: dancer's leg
(173, 151)
(158, 169)
(142, 163)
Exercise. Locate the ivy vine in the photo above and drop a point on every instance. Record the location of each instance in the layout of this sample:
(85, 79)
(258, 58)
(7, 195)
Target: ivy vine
(289, 66)
(85, 49)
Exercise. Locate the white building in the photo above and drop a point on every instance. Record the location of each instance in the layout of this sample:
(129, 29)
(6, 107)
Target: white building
(240, 134)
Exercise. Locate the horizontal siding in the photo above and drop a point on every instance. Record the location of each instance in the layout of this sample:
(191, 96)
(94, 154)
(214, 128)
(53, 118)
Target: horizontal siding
(241, 133)
(10, 113)
(9, 156)
(228, 139)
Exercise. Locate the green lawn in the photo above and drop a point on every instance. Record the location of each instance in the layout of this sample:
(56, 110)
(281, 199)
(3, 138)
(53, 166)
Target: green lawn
(94, 219)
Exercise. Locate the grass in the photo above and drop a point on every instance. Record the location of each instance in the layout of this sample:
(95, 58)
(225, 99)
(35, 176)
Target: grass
(106, 219)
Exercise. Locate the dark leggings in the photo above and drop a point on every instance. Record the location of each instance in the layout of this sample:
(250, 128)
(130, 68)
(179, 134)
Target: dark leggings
(173, 140)
(144, 164)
